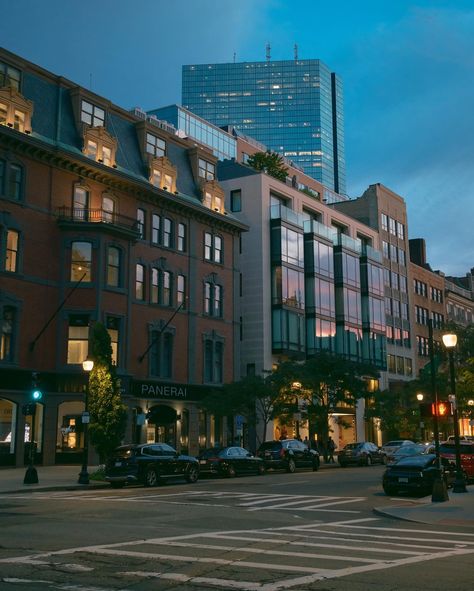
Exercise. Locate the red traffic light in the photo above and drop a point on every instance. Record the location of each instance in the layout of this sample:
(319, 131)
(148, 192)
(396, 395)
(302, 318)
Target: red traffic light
(441, 409)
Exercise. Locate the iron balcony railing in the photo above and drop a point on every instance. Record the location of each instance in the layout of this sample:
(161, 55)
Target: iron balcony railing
(111, 220)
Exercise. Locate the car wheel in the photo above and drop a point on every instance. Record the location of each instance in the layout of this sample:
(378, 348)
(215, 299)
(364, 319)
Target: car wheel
(291, 467)
(368, 461)
(231, 473)
(316, 465)
(151, 477)
(192, 474)
(261, 469)
(117, 484)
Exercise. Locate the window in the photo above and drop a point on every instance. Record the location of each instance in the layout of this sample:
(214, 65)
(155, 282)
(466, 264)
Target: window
(156, 178)
(140, 282)
(236, 200)
(401, 232)
(100, 146)
(113, 328)
(7, 329)
(155, 228)
(168, 233)
(213, 248)
(81, 261)
(212, 299)
(15, 110)
(391, 362)
(113, 266)
(401, 257)
(11, 180)
(420, 288)
(163, 173)
(9, 76)
(108, 209)
(385, 222)
(181, 290)
(160, 287)
(162, 354)
(80, 203)
(182, 237)
(422, 346)
(155, 145)
(11, 259)
(141, 216)
(207, 170)
(213, 361)
(92, 115)
(392, 226)
(437, 295)
(385, 249)
(78, 338)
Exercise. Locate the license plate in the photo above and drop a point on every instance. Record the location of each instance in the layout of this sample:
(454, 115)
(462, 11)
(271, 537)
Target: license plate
(403, 480)
(202, 461)
(268, 454)
(118, 464)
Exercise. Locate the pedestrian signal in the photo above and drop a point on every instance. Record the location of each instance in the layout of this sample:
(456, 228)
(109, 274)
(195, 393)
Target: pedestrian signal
(442, 408)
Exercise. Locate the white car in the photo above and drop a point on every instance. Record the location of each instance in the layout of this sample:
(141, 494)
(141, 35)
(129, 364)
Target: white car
(389, 448)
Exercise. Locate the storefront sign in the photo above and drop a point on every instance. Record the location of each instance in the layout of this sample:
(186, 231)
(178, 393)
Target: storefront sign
(170, 391)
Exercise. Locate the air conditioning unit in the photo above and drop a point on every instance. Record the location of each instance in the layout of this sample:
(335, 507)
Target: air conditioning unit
(140, 113)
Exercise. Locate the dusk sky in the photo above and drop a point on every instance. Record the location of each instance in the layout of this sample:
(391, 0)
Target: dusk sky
(407, 69)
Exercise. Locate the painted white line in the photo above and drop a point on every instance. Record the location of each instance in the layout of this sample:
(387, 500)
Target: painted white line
(246, 585)
(280, 541)
(336, 574)
(269, 552)
(290, 483)
(295, 501)
(220, 561)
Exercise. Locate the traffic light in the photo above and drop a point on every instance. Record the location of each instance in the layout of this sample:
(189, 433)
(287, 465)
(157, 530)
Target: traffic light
(36, 392)
(442, 409)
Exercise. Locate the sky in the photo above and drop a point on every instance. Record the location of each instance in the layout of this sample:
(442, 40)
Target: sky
(407, 69)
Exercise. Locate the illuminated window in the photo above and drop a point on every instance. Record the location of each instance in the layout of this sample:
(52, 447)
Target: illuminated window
(80, 203)
(81, 261)
(11, 259)
(99, 145)
(181, 290)
(15, 111)
(140, 282)
(78, 338)
(163, 174)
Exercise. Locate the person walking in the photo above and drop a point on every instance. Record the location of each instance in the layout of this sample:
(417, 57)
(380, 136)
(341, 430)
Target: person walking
(331, 447)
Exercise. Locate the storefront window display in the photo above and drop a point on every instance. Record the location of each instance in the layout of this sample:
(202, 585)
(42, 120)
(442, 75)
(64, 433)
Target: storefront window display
(70, 432)
(8, 415)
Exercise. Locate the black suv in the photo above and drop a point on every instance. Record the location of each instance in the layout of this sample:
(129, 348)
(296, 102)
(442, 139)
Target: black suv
(288, 454)
(148, 464)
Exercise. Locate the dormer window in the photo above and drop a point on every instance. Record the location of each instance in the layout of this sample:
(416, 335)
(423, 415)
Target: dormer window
(163, 174)
(9, 76)
(99, 145)
(207, 170)
(213, 196)
(92, 115)
(15, 110)
(155, 145)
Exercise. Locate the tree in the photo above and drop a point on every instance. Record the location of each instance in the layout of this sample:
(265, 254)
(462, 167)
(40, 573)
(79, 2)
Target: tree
(318, 386)
(253, 397)
(108, 414)
(271, 163)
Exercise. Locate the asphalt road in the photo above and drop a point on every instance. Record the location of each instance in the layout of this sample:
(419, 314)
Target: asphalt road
(260, 533)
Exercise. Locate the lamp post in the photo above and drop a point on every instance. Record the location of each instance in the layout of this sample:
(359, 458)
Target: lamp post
(297, 415)
(450, 341)
(87, 366)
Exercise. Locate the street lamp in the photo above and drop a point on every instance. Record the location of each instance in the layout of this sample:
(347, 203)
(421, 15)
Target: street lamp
(87, 366)
(450, 341)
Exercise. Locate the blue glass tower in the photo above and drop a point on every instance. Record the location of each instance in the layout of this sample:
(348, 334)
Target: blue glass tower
(294, 107)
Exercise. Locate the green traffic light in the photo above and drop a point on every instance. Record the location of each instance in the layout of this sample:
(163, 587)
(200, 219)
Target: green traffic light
(37, 395)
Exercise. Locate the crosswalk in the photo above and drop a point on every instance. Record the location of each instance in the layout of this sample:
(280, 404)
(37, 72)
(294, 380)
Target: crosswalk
(245, 500)
(265, 559)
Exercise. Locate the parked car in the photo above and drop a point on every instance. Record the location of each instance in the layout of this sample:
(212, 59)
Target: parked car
(288, 454)
(447, 450)
(389, 448)
(415, 475)
(149, 463)
(363, 453)
(230, 461)
(406, 450)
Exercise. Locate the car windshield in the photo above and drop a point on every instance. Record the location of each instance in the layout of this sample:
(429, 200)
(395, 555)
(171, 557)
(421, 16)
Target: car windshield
(409, 450)
(417, 461)
(354, 446)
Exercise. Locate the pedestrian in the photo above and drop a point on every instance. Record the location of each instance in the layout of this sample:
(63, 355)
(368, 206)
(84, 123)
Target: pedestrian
(330, 447)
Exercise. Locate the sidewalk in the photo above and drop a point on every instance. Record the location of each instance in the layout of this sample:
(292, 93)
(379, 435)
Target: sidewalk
(458, 511)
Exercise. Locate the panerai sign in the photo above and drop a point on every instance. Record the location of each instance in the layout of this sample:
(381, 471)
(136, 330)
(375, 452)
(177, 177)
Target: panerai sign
(167, 391)
(163, 391)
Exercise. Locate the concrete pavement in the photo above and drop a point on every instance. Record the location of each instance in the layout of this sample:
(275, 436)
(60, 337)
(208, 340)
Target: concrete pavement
(458, 511)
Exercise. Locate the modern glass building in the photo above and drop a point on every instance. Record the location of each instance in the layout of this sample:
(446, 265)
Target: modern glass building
(294, 107)
(222, 144)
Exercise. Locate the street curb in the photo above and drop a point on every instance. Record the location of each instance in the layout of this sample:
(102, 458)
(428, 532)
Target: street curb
(64, 487)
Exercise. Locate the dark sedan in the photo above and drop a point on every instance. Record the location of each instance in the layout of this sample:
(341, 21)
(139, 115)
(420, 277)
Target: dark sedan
(415, 475)
(148, 464)
(363, 453)
(288, 454)
(230, 461)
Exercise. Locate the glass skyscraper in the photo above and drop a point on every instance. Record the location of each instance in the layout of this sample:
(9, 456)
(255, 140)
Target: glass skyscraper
(294, 107)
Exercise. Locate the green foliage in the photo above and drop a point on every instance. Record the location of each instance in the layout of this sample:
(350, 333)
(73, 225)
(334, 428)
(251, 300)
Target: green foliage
(108, 414)
(271, 163)
(398, 412)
